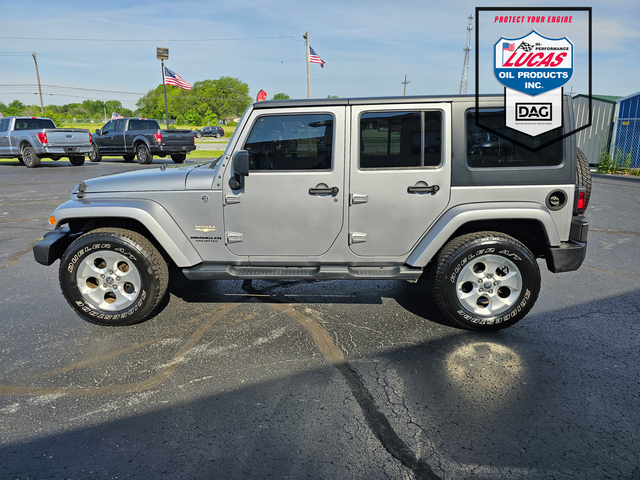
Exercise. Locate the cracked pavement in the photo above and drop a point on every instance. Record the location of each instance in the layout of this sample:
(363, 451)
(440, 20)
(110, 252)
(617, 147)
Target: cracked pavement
(337, 379)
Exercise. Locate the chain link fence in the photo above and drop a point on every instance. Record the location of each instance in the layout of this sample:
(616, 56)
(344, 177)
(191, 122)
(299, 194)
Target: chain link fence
(625, 150)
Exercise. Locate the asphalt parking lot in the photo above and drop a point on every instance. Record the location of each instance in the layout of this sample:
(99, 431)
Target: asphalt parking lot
(331, 380)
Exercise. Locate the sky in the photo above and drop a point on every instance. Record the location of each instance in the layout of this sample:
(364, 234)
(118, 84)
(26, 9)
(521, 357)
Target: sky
(107, 50)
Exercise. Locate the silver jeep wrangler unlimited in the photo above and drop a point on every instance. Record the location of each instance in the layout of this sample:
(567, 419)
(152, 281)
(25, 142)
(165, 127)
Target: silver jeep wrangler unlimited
(366, 188)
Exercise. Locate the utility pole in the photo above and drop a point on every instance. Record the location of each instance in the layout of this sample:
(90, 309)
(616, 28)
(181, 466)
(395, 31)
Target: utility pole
(465, 67)
(39, 87)
(306, 38)
(164, 87)
(405, 85)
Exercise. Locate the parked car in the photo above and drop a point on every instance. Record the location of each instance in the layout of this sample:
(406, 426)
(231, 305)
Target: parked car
(301, 193)
(209, 132)
(30, 139)
(142, 137)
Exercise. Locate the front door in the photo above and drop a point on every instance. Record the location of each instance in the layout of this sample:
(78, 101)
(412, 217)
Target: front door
(400, 175)
(4, 136)
(291, 203)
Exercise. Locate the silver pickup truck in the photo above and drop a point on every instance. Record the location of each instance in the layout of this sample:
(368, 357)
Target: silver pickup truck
(31, 139)
(401, 188)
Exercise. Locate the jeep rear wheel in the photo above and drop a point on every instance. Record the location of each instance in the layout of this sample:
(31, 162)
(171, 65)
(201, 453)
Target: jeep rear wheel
(113, 276)
(486, 281)
(583, 176)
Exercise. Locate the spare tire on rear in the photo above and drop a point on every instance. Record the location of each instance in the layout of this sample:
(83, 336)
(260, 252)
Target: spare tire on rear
(583, 175)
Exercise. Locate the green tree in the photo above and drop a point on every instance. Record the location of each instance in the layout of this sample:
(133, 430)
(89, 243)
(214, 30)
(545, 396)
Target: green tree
(14, 108)
(281, 96)
(333, 96)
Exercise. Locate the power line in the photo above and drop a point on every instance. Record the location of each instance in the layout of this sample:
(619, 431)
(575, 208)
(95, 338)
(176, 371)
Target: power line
(147, 40)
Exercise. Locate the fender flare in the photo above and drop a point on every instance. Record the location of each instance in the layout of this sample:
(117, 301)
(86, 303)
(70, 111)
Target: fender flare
(149, 213)
(444, 228)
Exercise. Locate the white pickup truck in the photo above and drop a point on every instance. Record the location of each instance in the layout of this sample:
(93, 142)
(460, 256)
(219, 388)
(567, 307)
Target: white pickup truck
(29, 139)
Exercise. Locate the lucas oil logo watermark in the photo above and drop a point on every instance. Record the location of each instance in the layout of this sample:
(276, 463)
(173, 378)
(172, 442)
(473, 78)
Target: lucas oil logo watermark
(533, 69)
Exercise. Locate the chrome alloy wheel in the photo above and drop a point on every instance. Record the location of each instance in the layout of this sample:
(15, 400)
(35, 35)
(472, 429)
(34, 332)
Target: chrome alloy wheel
(489, 285)
(108, 280)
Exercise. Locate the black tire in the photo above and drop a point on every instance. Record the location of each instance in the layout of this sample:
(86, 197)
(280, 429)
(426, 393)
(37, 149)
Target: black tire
(112, 276)
(129, 158)
(94, 155)
(198, 135)
(76, 160)
(486, 281)
(179, 157)
(218, 135)
(29, 158)
(144, 155)
(583, 176)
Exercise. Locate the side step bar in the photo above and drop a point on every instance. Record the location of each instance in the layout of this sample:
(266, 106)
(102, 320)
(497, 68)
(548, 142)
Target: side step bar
(328, 272)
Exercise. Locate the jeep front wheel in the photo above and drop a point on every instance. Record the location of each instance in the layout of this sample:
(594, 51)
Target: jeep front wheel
(486, 281)
(112, 276)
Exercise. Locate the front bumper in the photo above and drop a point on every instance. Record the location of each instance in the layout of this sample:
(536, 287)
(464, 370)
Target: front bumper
(53, 245)
(569, 256)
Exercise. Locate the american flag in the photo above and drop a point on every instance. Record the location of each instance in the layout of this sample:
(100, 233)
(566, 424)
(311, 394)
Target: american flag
(114, 116)
(314, 58)
(508, 46)
(172, 78)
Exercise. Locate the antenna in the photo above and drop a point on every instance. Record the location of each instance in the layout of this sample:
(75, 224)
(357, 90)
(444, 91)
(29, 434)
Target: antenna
(465, 67)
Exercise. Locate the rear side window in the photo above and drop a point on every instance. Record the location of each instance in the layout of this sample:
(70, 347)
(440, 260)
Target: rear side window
(34, 123)
(4, 125)
(487, 150)
(143, 125)
(291, 142)
(400, 139)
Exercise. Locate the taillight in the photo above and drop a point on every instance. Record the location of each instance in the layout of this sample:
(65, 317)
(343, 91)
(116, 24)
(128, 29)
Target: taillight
(42, 136)
(90, 139)
(580, 200)
(158, 137)
(194, 138)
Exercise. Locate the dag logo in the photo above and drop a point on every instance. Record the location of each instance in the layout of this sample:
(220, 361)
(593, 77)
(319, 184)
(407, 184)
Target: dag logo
(533, 64)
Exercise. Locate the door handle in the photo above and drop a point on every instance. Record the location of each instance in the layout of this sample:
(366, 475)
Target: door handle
(423, 188)
(325, 190)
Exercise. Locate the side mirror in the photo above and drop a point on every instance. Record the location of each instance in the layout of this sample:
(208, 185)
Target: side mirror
(97, 131)
(240, 165)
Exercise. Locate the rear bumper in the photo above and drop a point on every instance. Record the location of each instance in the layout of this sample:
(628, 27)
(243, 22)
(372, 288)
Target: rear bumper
(569, 256)
(53, 245)
(67, 150)
(157, 149)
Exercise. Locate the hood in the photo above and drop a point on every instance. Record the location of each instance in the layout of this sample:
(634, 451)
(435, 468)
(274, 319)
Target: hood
(153, 180)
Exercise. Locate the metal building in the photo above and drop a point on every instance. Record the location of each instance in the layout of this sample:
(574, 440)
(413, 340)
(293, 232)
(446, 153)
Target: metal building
(625, 148)
(593, 140)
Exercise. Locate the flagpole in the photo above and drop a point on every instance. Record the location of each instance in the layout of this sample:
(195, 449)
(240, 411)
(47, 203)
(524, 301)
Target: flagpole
(164, 87)
(306, 37)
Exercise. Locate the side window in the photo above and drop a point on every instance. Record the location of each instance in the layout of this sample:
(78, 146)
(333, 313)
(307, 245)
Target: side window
(108, 127)
(119, 126)
(291, 142)
(487, 150)
(400, 139)
(4, 125)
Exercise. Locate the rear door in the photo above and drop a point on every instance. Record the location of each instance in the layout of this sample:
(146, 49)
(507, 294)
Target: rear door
(291, 204)
(400, 175)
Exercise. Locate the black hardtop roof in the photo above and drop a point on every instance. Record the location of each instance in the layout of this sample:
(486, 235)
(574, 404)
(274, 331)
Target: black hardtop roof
(324, 102)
